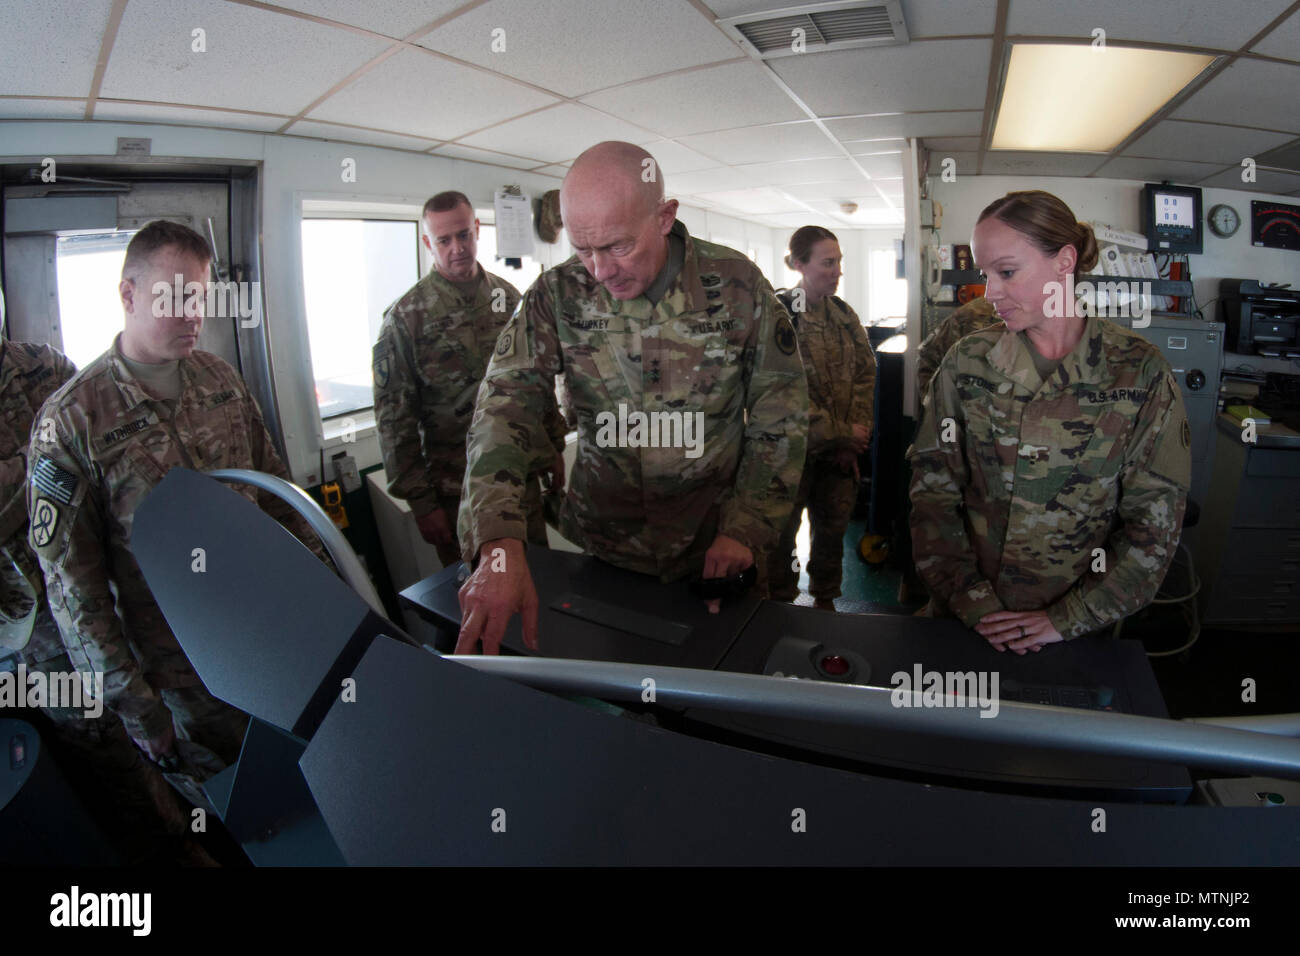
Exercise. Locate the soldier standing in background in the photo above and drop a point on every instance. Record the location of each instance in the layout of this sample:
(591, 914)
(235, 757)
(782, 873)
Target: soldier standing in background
(432, 352)
(152, 402)
(841, 371)
(1051, 466)
(643, 320)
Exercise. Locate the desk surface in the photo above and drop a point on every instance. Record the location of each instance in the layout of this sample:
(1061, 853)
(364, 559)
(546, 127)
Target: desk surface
(557, 574)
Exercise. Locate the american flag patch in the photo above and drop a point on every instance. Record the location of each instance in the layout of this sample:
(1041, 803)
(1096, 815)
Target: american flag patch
(54, 481)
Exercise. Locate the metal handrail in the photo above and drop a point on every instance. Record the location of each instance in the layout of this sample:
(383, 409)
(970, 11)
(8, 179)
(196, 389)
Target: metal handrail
(872, 708)
(344, 558)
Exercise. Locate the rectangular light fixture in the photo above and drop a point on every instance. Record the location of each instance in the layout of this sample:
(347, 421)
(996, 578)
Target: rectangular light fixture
(1086, 99)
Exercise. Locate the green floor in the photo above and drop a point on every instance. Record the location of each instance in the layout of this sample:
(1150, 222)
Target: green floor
(862, 584)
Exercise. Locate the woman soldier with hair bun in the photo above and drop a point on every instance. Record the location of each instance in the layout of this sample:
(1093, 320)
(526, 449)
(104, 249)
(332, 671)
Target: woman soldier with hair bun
(841, 370)
(1051, 467)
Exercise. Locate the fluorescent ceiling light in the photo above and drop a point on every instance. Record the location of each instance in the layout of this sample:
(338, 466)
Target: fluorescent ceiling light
(1086, 99)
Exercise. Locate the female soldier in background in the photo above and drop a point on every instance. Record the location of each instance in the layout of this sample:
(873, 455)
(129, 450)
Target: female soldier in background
(841, 370)
(1051, 467)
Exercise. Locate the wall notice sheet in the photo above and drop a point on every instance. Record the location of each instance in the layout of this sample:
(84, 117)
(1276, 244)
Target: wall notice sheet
(514, 224)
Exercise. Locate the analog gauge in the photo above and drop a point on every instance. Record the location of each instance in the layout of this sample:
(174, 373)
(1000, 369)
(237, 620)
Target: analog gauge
(1223, 220)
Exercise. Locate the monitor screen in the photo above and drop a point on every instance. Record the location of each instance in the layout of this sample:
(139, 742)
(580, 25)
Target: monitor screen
(1174, 211)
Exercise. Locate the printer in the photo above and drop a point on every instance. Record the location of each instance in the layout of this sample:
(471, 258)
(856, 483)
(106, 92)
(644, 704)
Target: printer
(1260, 318)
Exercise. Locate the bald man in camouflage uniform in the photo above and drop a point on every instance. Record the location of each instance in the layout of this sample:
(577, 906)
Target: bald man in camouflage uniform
(1064, 495)
(972, 317)
(114, 431)
(841, 370)
(644, 319)
(432, 352)
(128, 794)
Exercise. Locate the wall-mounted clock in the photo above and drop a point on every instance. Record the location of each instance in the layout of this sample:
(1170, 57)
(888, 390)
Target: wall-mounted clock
(1223, 220)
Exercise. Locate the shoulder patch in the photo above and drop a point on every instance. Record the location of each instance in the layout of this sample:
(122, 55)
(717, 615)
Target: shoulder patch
(58, 483)
(506, 343)
(45, 518)
(785, 338)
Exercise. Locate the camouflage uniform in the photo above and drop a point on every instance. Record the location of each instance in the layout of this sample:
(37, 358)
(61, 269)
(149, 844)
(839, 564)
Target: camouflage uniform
(433, 349)
(112, 444)
(137, 806)
(841, 371)
(1040, 474)
(974, 316)
(718, 343)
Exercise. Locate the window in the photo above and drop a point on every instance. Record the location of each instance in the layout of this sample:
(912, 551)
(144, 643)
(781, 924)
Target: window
(887, 294)
(521, 279)
(89, 269)
(352, 270)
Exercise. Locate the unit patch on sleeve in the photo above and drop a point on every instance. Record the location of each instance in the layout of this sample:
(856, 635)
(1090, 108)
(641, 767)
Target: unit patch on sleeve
(45, 518)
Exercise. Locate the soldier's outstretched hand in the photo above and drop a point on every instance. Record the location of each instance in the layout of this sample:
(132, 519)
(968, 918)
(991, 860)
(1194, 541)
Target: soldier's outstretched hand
(499, 588)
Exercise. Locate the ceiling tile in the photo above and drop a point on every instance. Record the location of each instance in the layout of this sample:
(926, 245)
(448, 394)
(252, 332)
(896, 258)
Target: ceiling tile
(708, 180)
(394, 18)
(1175, 139)
(1265, 181)
(1283, 41)
(255, 60)
(556, 134)
(931, 75)
(350, 134)
(188, 116)
(674, 158)
(853, 190)
(1250, 93)
(41, 109)
(793, 220)
(50, 48)
(942, 18)
(1156, 170)
(805, 171)
(1014, 162)
(673, 106)
(428, 96)
(579, 46)
(944, 123)
(756, 144)
(485, 156)
(1219, 26)
(752, 201)
(878, 167)
(736, 8)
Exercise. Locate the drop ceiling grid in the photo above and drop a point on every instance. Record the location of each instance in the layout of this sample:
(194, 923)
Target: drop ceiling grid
(254, 59)
(1217, 26)
(1249, 92)
(391, 18)
(50, 49)
(1176, 139)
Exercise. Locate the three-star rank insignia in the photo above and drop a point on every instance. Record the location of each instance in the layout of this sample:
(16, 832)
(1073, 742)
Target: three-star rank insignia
(785, 338)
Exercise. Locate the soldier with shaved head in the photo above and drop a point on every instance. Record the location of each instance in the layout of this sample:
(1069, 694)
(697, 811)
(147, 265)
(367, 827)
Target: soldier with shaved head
(685, 383)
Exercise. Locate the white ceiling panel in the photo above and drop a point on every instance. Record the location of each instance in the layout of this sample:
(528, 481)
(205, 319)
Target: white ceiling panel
(1175, 139)
(1219, 26)
(673, 106)
(760, 201)
(1283, 41)
(557, 134)
(1012, 162)
(50, 49)
(880, 167)
(941, 18)
(254, 60)
(831, 207)
(931, 75)
(674, 158)
(1156, 170)
(708, 180)
(188, 116)
(793, 220)
(350, 134)
(1265, 182)
(456, 151)
(736, 8)
(579, 46)
(758, 144)
(805, 171)
(428, 96)
(1251, 93)
(837, 191)
(394, 18)
(42, 109)
(943, 123)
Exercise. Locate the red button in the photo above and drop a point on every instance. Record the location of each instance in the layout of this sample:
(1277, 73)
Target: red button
(835, 665)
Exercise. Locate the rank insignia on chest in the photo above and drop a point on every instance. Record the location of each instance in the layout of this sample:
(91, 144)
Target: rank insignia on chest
(785, 338)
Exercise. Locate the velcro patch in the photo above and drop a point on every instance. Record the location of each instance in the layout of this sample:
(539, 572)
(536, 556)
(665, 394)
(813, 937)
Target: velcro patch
(58, 483)
(785, 337)
(45, 518)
